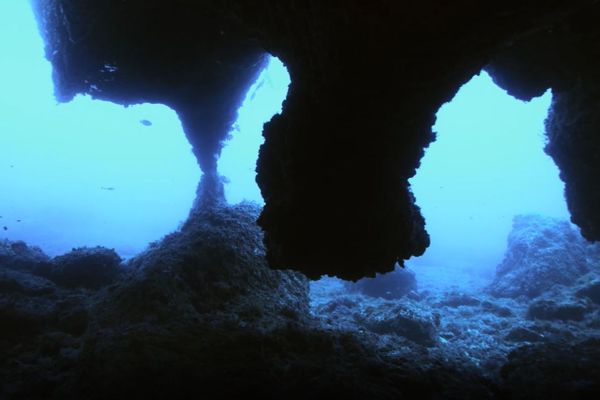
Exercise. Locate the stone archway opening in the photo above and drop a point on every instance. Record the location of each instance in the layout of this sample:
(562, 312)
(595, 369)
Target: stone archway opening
(486, 166)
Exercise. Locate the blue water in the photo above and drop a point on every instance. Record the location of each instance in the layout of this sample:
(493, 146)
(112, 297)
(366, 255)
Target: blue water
(238, 158)
(92, 173)
(87, 172)
(486, 166)
(95, 173)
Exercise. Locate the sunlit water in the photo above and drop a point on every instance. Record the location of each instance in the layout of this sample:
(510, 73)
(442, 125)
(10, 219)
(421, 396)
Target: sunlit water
(238, 159)
(486, 166)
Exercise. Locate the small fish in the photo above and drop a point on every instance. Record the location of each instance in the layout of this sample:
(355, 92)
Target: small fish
(18, 220)
(110, 188)
(146, 122)
(5, 228)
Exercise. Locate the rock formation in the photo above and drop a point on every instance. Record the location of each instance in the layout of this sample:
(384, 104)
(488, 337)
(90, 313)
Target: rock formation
(367, 80)
(542, 253)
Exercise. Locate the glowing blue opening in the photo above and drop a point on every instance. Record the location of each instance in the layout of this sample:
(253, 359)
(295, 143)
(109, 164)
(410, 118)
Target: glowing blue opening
(238, 159)
(88, 172)
(486, 166)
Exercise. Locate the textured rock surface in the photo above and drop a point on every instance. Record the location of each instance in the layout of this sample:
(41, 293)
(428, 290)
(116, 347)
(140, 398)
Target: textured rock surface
(367, 80)
(542, 253)
(201, 314)
(497, 338)
(17, 255)
(214, 269)
(591, 290)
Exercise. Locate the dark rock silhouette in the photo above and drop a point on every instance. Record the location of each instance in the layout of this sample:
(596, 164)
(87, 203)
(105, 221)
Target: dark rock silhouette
(19, 256)
(207, 316)
(200, 312)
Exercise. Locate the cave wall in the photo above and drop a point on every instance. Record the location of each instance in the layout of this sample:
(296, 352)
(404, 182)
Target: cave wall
(367, 80)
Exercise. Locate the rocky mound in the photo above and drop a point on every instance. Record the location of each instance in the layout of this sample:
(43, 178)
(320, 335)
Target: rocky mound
(542, 253)
(89, 268)
(18, 255)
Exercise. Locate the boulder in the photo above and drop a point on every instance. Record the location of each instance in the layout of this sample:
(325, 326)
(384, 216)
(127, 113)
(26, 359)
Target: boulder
(84, 267)
(542, 253)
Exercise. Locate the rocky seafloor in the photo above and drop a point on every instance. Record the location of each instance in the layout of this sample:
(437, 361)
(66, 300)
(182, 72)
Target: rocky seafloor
(200, 314)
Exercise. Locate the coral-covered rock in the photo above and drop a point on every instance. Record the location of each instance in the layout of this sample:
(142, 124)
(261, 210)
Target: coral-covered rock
(18, 255)
(392, 285)
(542, 252)
(213, 268)
(90, 268)
(414, 324)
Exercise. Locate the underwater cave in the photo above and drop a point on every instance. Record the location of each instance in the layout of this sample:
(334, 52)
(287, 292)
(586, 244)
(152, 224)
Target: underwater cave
(299, 200)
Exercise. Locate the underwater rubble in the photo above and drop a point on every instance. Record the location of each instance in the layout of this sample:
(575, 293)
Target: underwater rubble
(543, 299)
(200, 313)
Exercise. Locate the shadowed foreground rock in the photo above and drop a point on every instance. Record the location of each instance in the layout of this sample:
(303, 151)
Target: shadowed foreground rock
(200, 314)
(554, 371)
